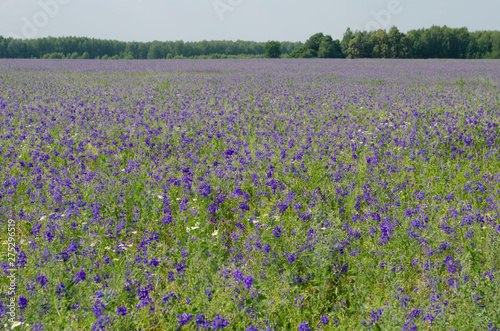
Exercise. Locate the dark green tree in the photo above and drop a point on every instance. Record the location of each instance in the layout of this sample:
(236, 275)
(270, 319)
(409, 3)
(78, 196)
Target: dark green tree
(380, 43)
(337, 49)
(309, 53)
(297, 53)
(273, 49)
(311, 47)
(462, 37)
(407, 47)
(329, 48)
(395, 46)
(344, 44)
(3, 47)
(156, 50)
(472, 48)
(360, 46)
(16, 49)
(495, 45)
(484, 43)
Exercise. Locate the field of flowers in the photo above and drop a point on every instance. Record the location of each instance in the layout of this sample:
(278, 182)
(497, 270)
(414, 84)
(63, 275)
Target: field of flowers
(250, 195)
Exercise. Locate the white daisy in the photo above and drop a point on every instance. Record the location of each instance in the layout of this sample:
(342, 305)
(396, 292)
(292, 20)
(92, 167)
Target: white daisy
(16, 324)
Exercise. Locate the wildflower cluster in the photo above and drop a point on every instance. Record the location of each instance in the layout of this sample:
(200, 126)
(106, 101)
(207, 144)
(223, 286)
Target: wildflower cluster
(251, 195)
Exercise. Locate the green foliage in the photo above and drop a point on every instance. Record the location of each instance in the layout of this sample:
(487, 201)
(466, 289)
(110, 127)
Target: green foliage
(319, 45)
(309, 53)
(380, 44)
(329, 48)
(359, 46)
(273, 49)
(344, 44)
(54, 56)
(313, 42)
(297, 53)
(434, 42)
(90, 48)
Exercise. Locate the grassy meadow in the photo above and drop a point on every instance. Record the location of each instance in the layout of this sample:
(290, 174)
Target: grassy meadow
(250, 195)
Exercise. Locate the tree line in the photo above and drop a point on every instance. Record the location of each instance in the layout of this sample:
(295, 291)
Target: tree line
(434, 42)
(90, 48)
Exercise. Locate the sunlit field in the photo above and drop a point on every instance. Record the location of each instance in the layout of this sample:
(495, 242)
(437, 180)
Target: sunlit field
(250, 194)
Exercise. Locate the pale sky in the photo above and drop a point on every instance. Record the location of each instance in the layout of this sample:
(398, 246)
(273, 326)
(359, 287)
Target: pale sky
(257, 20)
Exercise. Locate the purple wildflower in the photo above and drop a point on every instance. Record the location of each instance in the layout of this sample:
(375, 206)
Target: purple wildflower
(184, 318)
(304, 326)
(122, 311)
